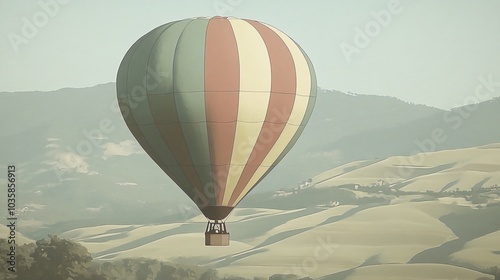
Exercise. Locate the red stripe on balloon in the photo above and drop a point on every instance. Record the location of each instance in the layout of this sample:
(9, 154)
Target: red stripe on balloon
(222, 82)
(283, 90)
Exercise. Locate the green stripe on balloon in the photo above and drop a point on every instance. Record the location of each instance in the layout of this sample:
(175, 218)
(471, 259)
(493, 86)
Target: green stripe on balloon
(136, 87)
(161, 58)
(188, 81)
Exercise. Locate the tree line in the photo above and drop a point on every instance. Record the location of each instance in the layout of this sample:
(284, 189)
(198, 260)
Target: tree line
(56, 258)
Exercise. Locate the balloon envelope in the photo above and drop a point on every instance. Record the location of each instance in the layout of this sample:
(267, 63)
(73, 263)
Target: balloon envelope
(216, 102)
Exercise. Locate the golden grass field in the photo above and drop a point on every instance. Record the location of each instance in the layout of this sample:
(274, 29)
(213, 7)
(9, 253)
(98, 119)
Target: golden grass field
(416, 272)
(433, 171)
(386, 235)
(374, 241)
(20, 238)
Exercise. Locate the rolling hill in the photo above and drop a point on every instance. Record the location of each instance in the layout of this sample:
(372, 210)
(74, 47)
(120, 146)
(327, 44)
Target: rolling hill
(447, 170)
(408, 227)
(316, 242)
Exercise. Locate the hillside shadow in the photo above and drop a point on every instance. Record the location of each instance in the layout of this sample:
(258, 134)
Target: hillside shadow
(185, 228)
(112, 234)
(479, 185)
(448, 186)
(349, 213)
(227, 260)
(247, 229)
(373, 260)
(239, 231)
(480, 223)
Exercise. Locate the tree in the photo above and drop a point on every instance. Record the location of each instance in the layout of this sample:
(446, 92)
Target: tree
(23, 260)
(145, 269)
(4, 261)
(166, 272)
(495, 271)
(60, 259)
(284, 277)
(210, 274)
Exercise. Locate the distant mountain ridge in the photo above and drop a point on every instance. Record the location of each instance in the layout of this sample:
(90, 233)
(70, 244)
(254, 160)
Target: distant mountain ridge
(344, 116)
(77, 159)
(458, 128)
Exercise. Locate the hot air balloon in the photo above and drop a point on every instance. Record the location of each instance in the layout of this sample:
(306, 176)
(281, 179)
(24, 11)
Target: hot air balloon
(216, 103)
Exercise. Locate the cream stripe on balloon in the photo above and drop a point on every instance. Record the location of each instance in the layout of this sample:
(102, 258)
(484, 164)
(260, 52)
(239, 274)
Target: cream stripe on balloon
(255, 67)
(255, 74)
(303, 91)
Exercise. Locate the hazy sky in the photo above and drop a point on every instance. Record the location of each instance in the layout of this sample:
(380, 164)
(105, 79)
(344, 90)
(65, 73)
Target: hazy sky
(430, 52)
